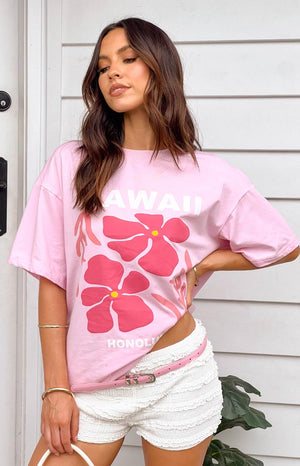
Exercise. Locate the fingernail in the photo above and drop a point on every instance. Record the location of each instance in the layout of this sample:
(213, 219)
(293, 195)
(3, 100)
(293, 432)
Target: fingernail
(56, 454)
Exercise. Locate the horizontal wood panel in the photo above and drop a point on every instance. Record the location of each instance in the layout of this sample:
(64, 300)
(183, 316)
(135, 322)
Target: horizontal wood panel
(129, 455)
(213, 69)
(258, 441)
(256, 124)
(274, 174)
(241, 69)
(75, 61)
(251, 328)
(272, 461)
(275, 284)
(276, 377)
(72, 113)
(132, 438)
(272, 441)
(231, 124)
(188, 20)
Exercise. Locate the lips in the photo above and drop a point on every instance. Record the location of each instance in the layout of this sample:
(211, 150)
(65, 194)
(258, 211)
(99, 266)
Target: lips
(117, 89)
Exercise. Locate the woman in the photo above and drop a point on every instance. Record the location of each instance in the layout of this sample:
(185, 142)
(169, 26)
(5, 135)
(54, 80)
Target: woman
(123, 229)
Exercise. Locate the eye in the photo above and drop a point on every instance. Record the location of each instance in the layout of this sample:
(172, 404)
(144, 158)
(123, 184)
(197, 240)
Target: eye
(102, 70)
(129, 60)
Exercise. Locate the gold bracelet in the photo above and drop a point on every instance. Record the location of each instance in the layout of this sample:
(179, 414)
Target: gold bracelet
(197, 276)
(53, 326)
(56, 389)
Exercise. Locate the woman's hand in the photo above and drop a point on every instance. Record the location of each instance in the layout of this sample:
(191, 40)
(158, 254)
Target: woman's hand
(202, 268)
(190, 283)
(59, 422)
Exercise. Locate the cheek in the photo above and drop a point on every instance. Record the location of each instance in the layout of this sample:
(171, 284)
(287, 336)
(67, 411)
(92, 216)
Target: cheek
(143, 75)
(100, 84)
(104, 89)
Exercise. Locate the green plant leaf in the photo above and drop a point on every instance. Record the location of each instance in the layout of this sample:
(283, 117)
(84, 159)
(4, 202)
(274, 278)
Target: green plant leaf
(236, 381)
(256, 418)
(235, 402)
(236, 410)
(221, 454)
(243, 422)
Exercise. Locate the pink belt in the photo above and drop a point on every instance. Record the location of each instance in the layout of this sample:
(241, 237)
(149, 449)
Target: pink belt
(137, 379)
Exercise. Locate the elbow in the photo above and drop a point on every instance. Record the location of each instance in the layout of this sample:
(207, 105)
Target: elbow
(292, 255)
(296, 252)
(289, 257)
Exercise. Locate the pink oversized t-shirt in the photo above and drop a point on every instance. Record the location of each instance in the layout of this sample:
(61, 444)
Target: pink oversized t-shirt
(124, 269)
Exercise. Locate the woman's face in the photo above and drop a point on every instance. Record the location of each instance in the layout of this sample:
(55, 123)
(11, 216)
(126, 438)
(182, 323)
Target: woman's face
(123, 76)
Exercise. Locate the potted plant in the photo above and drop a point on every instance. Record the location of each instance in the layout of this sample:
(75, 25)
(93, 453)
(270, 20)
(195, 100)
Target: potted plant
(236, 412)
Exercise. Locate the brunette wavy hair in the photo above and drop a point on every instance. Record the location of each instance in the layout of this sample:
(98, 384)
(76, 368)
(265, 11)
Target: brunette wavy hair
(102, 130)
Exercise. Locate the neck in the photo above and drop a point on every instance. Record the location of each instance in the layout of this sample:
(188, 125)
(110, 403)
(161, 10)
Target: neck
(138, 132)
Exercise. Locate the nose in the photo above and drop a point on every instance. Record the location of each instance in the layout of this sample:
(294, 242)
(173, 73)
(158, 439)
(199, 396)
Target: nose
(114, 73)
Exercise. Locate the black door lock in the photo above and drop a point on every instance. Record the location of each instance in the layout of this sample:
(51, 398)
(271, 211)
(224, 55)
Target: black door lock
(5, 101)
(3, 195)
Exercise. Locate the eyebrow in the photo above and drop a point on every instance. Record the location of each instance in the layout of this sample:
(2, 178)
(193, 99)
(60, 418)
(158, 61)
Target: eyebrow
(122, 49)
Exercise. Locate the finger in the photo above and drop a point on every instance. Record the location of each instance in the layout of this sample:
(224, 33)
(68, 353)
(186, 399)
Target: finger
(190, 282)
(188, 300)
(190, 278)
(56, 440)
(75, 424)
(65, 437)
(48, 439)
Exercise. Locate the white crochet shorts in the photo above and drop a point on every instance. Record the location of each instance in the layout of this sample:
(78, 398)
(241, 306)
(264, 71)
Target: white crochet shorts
(178, 411)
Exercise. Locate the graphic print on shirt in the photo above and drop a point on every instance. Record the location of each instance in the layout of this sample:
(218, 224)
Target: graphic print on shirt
(133, 238)
(180, 288)
(168, 304)
(153, 200)
(106, 275)
(81, 242)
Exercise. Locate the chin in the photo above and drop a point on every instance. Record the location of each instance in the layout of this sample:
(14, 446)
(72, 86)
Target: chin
(123, 107)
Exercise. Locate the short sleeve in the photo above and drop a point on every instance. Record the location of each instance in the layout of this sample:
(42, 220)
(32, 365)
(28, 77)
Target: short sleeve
(39, 244)
(257, 230)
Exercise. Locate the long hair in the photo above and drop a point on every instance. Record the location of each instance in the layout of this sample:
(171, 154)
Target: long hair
(102, 129)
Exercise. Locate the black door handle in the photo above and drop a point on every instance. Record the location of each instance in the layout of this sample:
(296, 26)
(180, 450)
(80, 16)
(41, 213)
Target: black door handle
(3, 195)
(5, 101)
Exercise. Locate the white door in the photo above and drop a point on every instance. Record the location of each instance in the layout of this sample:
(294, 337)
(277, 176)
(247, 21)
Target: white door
(9, 135)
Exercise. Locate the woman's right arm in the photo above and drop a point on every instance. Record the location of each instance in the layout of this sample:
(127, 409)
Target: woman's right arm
(60, 415)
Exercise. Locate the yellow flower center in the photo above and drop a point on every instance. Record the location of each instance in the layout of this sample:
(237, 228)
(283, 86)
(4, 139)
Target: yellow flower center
(114, 294)
(154, 232)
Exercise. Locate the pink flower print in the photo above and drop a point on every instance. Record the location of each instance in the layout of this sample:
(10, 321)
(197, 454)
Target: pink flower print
(168, 304)
(178, 283)
(180, 287)
(82, 239)
(161, 259)
(188, 260)
(107, 294)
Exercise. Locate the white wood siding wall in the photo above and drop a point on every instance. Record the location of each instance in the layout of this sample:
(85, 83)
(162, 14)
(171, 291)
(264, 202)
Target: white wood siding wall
(242, 80)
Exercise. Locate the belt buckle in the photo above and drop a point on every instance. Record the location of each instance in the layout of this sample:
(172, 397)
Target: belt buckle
(127, 379)
(152, 378)
(135, 381)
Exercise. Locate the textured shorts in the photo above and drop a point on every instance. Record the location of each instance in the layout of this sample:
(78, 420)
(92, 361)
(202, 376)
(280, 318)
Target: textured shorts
(178, 411)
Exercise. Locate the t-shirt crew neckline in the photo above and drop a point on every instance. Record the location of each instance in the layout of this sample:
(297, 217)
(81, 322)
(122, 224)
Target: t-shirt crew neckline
(144, 151)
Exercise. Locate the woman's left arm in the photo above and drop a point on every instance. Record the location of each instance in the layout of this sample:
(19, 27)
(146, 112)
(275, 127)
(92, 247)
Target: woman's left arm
(227, 260)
